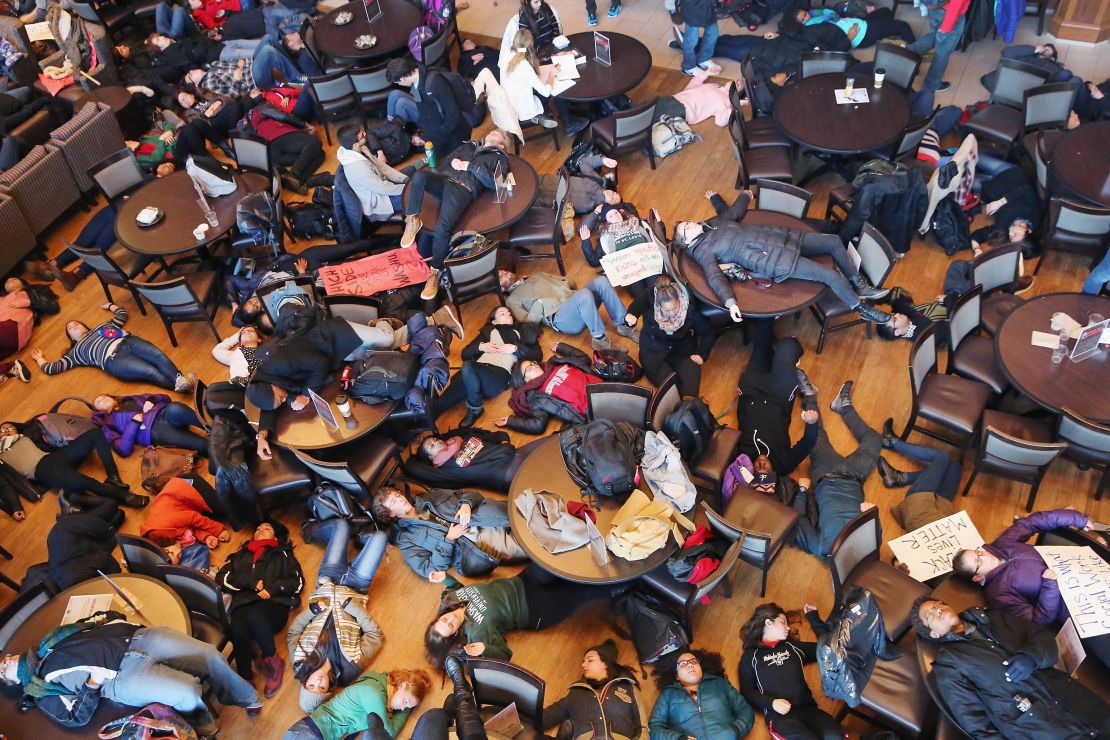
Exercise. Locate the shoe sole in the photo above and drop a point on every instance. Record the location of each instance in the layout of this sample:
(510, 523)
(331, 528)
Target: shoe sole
(24, 373)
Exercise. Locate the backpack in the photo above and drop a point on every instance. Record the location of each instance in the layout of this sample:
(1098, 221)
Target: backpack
(213, 177)
(950, 227)
(383, 375)
(323, 196)
(58, 430)
(256, 216)
(162, 463)
(296, 318)
(959, 278)
(690, 426)
(463, 92)
(603, 456)
(582, 149)
(152, 721)
(310, 220)
(330, 501)
(417, 38)
(669, 134)
(616, 365)
(846, 653)
(653, 628)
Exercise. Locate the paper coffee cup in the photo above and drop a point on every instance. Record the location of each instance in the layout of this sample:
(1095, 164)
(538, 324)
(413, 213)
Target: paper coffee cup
(200, 231)
(880, 75)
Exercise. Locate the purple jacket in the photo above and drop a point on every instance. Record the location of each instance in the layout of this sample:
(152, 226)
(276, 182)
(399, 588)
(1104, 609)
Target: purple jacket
(120, 427)
(1016, 585)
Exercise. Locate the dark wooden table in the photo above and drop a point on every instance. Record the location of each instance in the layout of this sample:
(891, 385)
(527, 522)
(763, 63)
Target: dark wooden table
(159, 603)
(808, 113)
(398, 19)
(1081, 161)
(631, 64)
(485, 214)
(304, 429)
(1080, 386)
(544, 469)
(781, 298)
(132, 122)
(177, 199)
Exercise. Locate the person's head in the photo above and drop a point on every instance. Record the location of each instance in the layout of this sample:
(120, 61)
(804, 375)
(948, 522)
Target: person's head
(501, 316)
(469, 45)
(1048, 51)
(506, 280)
(14, 285)
(600, 664)
(496, 138)
(350, 135)
(105, 403)
(407, 688)
(75, 330)
(266, 396)
(390, 504)
(767, 624)
(1020, 230)
(445, 633)
(668, 295)
(976, 563)
(611, 214)
(612, 197)
(766, 479)
(157, 42)
(194, 76)
(685, 232)
(933, 618)
(403, 71)
(529, 371)
(249, 336)
(529, 8)
(8, 429)
(523, 48)
(186, 99)
(431, 446)
(896, 328)
(271, 530)
(293, 41)
(9, 669)
(689, 672)
(250, 310)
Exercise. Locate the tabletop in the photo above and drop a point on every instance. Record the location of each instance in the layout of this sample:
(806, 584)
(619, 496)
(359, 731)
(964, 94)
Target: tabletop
(304, 429)
(808, 113)
(176, 197)
(1080, 386)
(392, 28)
(631, 62)
(485, 214)
(781, 298)
(1081, 160)
(115, 97)
(544, 469)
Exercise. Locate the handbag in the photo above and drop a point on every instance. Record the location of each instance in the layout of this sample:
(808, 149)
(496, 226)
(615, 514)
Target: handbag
(57, 429)
(152, 721)
(162, 463)
(643, 526)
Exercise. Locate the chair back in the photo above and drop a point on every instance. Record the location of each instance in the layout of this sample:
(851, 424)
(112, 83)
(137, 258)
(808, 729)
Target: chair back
(901, 64)
(747, 71)
(913, 135)
(735, 98)
(824, 62)
(339, 473)
(1079, 218)
(21, 608)
(266, 294)
(658, 226)
(252, 152)
(964, 318)
(434, 50)
(1018, 456)
(104, 266)
(332, 88)
(736, 137)
(174, 295)
(370, 84)
(736, 131)
(562, 193)
(728, 562)
(142, 555)
(996, 267)
(1040, 163)
(1082, 432)
(858, 541)
(923, 358)
(359, 309)
(199, 591)
(876, 255)
(200, 390)
(1048, 106)
(85, 11)
(720, 525)
(1014, 78)
(308, 36)
(782, 197)
(478, 267)
(618, 402)
(499, 683)
(117, 174)
(635, 120)
(663, 402)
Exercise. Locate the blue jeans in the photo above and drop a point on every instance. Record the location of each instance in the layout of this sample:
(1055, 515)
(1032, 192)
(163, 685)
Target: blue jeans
(944, 43)
(690, 44)
(138, 360)
(401, 104)
(171, 427)
(336, 566)
(175, 23)
(813, 245)
(1099, 276)
(580, 310)
(267, 57)
(940, 476)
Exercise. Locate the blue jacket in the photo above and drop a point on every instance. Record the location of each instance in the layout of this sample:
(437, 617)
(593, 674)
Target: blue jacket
(1007, 13)
(346, 209)
(423, 542)
(720, 713)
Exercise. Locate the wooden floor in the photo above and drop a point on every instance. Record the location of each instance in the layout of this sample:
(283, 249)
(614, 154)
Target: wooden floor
(404, 604)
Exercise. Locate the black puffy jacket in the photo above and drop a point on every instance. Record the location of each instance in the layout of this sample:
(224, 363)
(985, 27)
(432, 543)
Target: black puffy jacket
(389, 137)
(276, 567)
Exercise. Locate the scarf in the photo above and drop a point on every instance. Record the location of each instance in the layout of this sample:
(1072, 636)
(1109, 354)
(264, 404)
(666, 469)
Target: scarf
(33, 684)
(672, 322)
(518, 400)
(257, 547)
(6, 443)
(453, 445)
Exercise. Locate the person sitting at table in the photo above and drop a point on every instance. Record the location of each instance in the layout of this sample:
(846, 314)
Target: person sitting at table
(862, 32)
(605, 695)
(551, 300)
(541, 20)
(377, 185)
(992, 668)
(839, 479)
(530, 96)
(489, 362)
(772, 677)
(697, 701)
(557, 388)
(474, 619)
(675, 338)
(774, 253)
(147, 419)
(444, 529)
(460, 178)
(438, 114)
(180, 518)
(470, 456)
(115, 351)
(377, 703)
(81, 542)
(293, 144)
(931, 490)
(1016, 579)
(263, 579)
(74, 666)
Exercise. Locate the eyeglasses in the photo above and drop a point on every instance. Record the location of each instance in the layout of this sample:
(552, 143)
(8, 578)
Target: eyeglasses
(979, 552)
(688, 662)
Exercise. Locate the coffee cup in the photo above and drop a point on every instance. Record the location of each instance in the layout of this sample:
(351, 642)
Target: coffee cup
(200, 231)
(880, 75)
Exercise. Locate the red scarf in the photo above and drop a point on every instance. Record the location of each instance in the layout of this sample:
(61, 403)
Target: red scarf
(257, 547)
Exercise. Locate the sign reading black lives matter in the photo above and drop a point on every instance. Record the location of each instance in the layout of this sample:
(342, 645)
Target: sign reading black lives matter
(928, 550)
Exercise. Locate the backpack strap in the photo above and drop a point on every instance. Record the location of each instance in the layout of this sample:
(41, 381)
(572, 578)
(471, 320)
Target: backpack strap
(56, 406)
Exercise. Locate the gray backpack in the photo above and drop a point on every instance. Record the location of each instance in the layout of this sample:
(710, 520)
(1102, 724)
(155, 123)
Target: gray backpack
(669, 134)
(58, 430)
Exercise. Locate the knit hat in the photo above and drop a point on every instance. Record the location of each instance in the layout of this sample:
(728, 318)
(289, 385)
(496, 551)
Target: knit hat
(607, 650)
(310, 700)
(262, 395)
(604, 211)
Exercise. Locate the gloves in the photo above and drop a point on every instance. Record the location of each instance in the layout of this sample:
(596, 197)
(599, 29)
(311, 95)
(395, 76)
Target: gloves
(1021, 667)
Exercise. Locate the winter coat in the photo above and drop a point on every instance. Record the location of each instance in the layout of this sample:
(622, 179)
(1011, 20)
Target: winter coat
(178, 507)
(346, 209)
(81, 543)
(87, 651)
(849, 644)
(525, 336)
(1007, 13)
(539, 296)
(969, 671)
(484, 161)
(719, 713)
(276, 567)
(441, 121)
(544, 405)
(120, 427)
(423, 542)
(824, 36)
(894, 204)
(359, 636)
(12, 487)
(1016, 585)
(613, 713)
(838, 499)
(769, 672)
(490, 467)
(434, 369)
(293, 363)
(345, 713)
(372, 181)
(492, 609)
(389, 137)
(334, 338)
(921, 508)
(186, 54)
(694, 337)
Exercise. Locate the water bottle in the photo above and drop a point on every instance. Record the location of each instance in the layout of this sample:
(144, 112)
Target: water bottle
(1061, 348)
(430, 154)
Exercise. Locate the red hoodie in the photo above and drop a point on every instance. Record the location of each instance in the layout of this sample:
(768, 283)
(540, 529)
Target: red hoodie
(568, 383)
(205, 15)
(952, 12)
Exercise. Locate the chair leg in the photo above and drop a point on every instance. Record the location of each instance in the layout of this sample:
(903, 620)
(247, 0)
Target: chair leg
(821, 337)
(651, 154)
(909, 424)
(139, 301)
(971, 478)
(1033, 493)
(559, 257)
(215, 333)
(327, 130)
(763, 586)
(169, 330)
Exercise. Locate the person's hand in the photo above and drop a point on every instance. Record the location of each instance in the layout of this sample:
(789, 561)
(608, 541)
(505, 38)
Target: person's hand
(780, 79)
(36, 355)
(782, 706)
(810, 416)
(167, 136)
(1095, 92)
(459, 164)
(259, 586)
(437, 576)
(485, 347)
(264, 594)
(610, 163)
(463, 515)
(807, 608)
(866, 506)
(709, 194)
(474, 649)
(553, 347)
(506, 349)
(301, 265)
(309, 129)
(1021, 667)
(748, 192)
(476, 57)
(19, 515)
(455, 531)
(805, 483)
(583, 233)
(131, 144)
(771, 35)
(211, 542)
(1049, 574)
(1073, 120)
(298, 403)
(263, 449)
(1038, 49)
(501, 421)
(697, 359)
(106, 305)
(992, 207)
(734, 312)
(224, 536)
(137, 417)
(630, 319)
(147, 406)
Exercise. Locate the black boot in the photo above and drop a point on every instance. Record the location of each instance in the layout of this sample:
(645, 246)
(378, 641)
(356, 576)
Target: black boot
(843, 398)
(892, 476)
(375, 729)
(468, 723)
(870, 313)
(888, 433)
(473, 413)
(291, 181)
(864, 289)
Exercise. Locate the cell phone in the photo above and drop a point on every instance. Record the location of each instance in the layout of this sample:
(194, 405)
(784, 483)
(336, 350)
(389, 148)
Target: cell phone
(791, 76)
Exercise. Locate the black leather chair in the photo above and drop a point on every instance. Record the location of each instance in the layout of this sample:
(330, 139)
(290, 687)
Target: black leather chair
(21, 608)
(35, 130)
(876, 262)
(141, 555)
(759, 523)
(684, 596)
(204, 600)
(115, 267)
(183, 299)
(371, 87)
(768, 163)
(971, 354)
(1088, 445)
(758, 132)
(997, 270)
(335, 97)
(542, 225)
(361, 466)
(1075, 227)
(280, 481)
(824, 62)
(498, 683)
(473, 276)
(618, 402)
(626, 131)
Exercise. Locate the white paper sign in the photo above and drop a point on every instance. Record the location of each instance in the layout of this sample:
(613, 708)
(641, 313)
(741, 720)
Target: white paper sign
(39, 31)
(928, 551)
(632, 264)
(81, 607)
(1084, 579)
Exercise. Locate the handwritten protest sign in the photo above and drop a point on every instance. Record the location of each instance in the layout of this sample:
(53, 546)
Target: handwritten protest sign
(1084, 579)
(370, 275)
(633, 264)
(928, 551)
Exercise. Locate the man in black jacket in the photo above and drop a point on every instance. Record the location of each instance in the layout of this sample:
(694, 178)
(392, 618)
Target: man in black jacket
(441, 120)
(771, 252)
(995, 672)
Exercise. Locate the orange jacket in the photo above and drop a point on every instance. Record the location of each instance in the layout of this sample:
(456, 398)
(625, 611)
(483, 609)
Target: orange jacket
(176, 508)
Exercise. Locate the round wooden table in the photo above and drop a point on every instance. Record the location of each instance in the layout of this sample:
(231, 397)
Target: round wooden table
(176, 197)
(544, 470)
(1081, 161)
(1080, 386)
(808, 113)
(485, 214)
(781, 298)
(398, 19)
(305, 430)
(631, 64)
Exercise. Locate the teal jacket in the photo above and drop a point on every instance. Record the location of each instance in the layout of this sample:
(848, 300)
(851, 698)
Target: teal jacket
(720, 712)
(346, 712)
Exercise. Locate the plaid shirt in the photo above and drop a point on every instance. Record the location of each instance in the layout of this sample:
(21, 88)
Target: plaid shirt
(221, 79)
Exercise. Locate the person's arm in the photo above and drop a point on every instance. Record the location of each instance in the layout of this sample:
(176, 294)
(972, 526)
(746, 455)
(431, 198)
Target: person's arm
(371, 640)
(801, 449)
(224, 352)
(473, 498)
(1033, 640)
(639, 305)
(574, 354)
(296, 629)
(962, 697)
(719, 204)
(750, 686)
(290, 581)
(58, 366)
(123, 440)
(445, 97)
(1041, 521)
(739, 207)
(818, 626)
(806, 536)
(589, 165)
(1042, 611)
(423, 562)
(196, 520)
(742, 715)
(231, 579)
(556, 713)
(472, 351)
(659, 723)
(704, 333)
(528, 348)
(1018, 51)
(534, 80)
(534, 424)
(119, 315)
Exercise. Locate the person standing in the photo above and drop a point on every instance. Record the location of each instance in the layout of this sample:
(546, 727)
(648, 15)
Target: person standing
(946, 28)
(699, 18)
(591, 10)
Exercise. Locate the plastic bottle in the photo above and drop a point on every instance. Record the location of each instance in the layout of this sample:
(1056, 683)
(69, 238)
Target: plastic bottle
(430, 153)
(1061, 349)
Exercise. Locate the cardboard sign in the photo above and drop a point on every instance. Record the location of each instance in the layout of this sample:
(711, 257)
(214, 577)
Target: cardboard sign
(632, 264)
(928, 551)
(1084, 579)
(370, 275)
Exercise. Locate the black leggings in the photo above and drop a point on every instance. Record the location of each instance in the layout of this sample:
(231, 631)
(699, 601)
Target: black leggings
(881, 25)
(550, 599)
(804, 722)
(658, 367)
(299, 151)
(255, 624)
(59, 468)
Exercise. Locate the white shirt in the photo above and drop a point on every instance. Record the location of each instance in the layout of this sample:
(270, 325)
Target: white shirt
(228, 353)
(521, 84)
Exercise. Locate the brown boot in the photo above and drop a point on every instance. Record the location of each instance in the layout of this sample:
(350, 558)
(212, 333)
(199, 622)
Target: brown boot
(69, 279)
(431, 286)
(275, 674)
(446, 318)
(39, 269)
(413, 225)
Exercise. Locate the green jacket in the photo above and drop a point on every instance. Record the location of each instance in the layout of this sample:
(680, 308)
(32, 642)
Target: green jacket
(492, 609)
(346, 712)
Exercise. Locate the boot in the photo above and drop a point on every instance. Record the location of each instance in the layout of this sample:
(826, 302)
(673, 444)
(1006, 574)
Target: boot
(413, 225)
(291, 181)
(275, 674)
(870, 313)
(807, 388)
(68, 278)
(888, 433)
(431, 286)
(39, 269)
(375, 729)
(468, 723)
(629, 332)
(865, 289)
(843, 398)
(446, 318)
(135, 501)
(892, 476)
(473, 413)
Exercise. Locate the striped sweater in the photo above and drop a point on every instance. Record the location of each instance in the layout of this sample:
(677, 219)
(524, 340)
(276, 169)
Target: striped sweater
(360, 638)
(91, 350)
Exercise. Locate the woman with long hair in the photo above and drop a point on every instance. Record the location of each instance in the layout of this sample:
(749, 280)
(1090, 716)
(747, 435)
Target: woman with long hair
(697, 701)
(377, 702)
(772, 677)
(147, 419)
(604, 702)
(539, 18)
(530, 95)
(675, 337)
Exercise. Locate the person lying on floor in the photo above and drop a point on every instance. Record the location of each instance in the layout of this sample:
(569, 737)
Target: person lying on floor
(465, 456)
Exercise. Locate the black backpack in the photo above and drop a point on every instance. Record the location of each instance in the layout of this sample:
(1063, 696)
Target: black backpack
(310, 220)
(950, 226)
(653, 628)
(616, 365)
(383, 375)
(463, 92)
(603, 456)
(690, 426)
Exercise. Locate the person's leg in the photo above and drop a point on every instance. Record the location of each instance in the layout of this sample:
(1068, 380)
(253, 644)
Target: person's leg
(425, 180)
(235, 49)
(452, 205)
(708, 45)
(690, 36)
(689, 377)
(824, 459)
(141, 681)
(242, 644)
(551, 600)
(577, 313)
(162, 20)
(310, 155)
(928, 40)
(74, 453)
(1099, 647)
(816, 245)
(861, 462)
(807, 269)
(784, 370)
(165, 432)
(607, 296)
(1099, 276)
(454, 394)
(199, 659)
(591, 8)
(157, 364)
(335, 561)
(434, 724)
(482, 382)
(267, 58)
(821, 724)
(366, 563)
(946, 44)
(401, 104)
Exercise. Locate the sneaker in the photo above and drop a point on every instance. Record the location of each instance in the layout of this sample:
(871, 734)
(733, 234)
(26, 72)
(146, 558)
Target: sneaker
(446, 318)
(629, 332)
(591, 19)
(807, 388)
(68, 279)
(843, 398)
(135, 501)
(21, 371)
(944, 85)
(674, 45)
(254, 710)
(574, 125)
(710, 67)
(692, 72)
(289, 180)
(601, 342)
(431, 286)
(614, 11)
(413, 225)
(547, 122)
(182, 384)
(870, 313)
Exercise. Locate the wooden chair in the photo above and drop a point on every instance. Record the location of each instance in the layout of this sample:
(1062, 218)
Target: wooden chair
(252, 152)
(1017, 448)
(626, 131)
(618, 402)
(473, 276)
(824, 62)
(185, 298)
(971, 354)
(1075, 227)
(118, 174)
(769, 163)
(204, 600)
(542, 225)
(684, 596)
(1088, 445)
(360, 466)
(115, 267)
(334, 97)
(759, 523)
(876, 262)
(141, 555)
